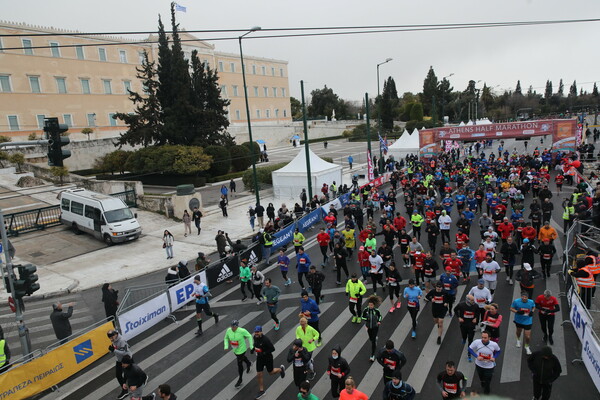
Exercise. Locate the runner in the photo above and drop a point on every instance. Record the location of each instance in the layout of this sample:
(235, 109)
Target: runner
(491, 321)
(309, 336)
(264, 359)
(284, 263)
(201, 294)
(546, 252)
(355, 289)
(338, 369)
(271, 294)
(482, 297)
(393, 280)
(397, 389)
(257, 278)
(376, 271)
(547, 306)
(490, 270)
(439, 307)
(135, 379)
(323, 239)
(450, 284)
(350, 392)
(315, 282)
(509, 251)
(120, 348)
(372, 317)
(485, 352)
(311, 311)
(236, 338)
(391, 360)
(451, 382)
(301, 359)
(245, 275)
(339, 255)
(523, 309)
(467, 312)
(413, 294)
(302, 265)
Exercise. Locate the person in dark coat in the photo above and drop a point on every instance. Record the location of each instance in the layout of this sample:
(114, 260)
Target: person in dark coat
(545, 369)
(182, 269)
(135, 378)
(60, 321)
(338, 370)
(110, 300)
(172, 276)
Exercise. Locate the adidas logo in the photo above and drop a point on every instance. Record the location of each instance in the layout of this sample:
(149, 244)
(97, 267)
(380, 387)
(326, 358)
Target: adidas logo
(252, 258)
(224, 274)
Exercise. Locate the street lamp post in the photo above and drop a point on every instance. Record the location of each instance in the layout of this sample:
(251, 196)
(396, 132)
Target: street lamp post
(387, 60)
(252, 152)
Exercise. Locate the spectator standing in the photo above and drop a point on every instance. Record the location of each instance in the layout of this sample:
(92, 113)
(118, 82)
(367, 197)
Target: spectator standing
(60, 321)
(197, 218)
(187, 223)
(232, 187)
(168, 241)
(350, 161)
(260, 213)
(110, 300)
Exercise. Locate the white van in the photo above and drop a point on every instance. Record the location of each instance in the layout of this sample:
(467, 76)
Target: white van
(107, 218)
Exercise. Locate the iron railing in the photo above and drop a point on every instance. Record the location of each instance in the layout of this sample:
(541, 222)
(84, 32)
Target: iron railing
(129, 197)
(32, 220)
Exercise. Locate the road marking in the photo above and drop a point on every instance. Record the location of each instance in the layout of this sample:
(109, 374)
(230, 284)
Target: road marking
(558, 349)
(277, 388)
(422, 367)
(512, 355)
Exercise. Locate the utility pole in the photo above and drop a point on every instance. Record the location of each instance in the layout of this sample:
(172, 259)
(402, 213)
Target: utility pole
(306, 150)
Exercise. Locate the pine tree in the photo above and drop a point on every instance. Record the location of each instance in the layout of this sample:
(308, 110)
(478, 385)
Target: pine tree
(573, 89)
(595, 90)
(518, 89)
(389, 102)
(561, 89)
(548, 91)
(430, 90)
(145, 125)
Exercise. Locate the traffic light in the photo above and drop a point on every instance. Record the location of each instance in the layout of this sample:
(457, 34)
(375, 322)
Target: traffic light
(20, 288)
(56, 141)
(29, 277)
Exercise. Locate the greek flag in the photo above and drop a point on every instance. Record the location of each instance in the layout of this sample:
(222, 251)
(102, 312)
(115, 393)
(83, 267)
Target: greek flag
(180, 8)
(383, 144)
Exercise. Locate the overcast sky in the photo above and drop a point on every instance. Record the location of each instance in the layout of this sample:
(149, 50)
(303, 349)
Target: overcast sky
(497, 56)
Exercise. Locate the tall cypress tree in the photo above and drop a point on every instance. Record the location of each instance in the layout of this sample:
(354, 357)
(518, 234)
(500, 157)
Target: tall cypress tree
(548, 91)
(430, 89)
(389, 102)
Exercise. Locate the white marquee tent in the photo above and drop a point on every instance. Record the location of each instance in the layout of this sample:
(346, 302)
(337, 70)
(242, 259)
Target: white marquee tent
(289, 181)
(406, 144)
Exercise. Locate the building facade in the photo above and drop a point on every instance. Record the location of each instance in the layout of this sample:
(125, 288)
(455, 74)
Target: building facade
(84, 80)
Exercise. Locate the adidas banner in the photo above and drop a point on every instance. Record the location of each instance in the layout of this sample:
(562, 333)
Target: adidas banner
(283, 237)
(253, 254)
(225, 270)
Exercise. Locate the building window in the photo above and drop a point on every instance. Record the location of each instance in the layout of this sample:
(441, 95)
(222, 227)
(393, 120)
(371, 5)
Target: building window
(264, 70)
(107, 86)
(267, 113)
(274, 92)
(5, 84)
(68, 120)
(273, 71)
(232, 67)
(13, 122)
(61, 84)
(54, 49)
(101, 54)
(27, 47)
(85, 85)
(266, 91)
(79, 52)
(127, 86)
(141, 57)
(237, 115)
(258, 114)
(280, 71)
(224, 90)
(1, 46)
(111, 120)
(253, 69)
(255, 91)
(283, 92)
(235, 90)
(277, 113)
(91, 119)
(123, 56)
(284, 113)
(221, 69)
(34, 83)
(40, 120)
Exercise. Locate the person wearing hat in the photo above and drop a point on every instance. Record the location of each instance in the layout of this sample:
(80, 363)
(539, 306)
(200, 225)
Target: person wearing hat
(201, 262)
(201, 294)
(300, 359)
(119, 347)
(439, 307)
(545, 369)
(547, 306)
(523, 308)
(337, 370)
(257, 278)
(302, 266)
(372, 318)
(315, 282)
(467, 313)
(236, 338)
(398, 389)
(135, 379)
(525, 277)
(412, 294)
(263, 347)
(60, 321)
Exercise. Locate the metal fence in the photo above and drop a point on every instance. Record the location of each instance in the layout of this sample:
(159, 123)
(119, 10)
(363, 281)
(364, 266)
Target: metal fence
(32, 220)
(128, 197)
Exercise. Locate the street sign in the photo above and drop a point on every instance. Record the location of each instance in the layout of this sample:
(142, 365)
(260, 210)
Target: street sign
(11, 304)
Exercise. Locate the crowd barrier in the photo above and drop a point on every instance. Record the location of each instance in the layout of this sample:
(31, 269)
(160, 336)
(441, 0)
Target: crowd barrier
(50, 368)
(579, 316)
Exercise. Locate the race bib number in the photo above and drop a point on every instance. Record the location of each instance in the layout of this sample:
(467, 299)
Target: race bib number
(469, 314)
(353, 300)
(451, 387)
(234, 343)
(298, 362)
(412, 303)
(525, 311)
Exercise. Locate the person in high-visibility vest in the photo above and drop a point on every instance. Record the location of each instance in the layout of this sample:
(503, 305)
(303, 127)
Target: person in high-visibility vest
(568, 215)
(585, 281)
(298, 240)
(4, 354)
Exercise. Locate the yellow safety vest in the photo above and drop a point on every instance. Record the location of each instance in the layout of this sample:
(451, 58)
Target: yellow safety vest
(2, 354)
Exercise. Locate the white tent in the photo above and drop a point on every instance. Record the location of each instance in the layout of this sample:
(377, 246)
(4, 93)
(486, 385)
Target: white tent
(461, 124)
(289, 181)
(406, 144)
(470, 123)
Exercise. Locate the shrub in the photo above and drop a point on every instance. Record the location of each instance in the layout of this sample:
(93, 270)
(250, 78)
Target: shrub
(4, 139)
(256, 151)
(113, 162)
(60, 172)
(32, 136)
(221, 160)
(416, 113)
(18, 159)
(240, 157)
(263, 175)
(179, 160)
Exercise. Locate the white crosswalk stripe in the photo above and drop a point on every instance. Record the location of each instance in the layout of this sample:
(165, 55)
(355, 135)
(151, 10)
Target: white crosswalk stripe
(511, 354)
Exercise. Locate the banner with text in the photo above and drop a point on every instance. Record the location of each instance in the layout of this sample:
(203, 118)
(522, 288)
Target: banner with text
(284, 236)
(180, 294)
(144, 316)
(253, 254)
(590, 354)
(309, 220)
(227, 269)
(55, 366)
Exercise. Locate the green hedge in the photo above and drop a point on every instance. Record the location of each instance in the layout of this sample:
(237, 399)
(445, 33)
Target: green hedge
(263, 175)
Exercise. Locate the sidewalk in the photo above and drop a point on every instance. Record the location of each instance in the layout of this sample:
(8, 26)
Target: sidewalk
(145, 255)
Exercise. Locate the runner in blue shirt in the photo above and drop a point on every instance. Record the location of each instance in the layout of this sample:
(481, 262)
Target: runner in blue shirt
(523, 309)
(413, 294)
(471, 202)
(460, 201)
(450, 284)
(447, 203)
(302, 266)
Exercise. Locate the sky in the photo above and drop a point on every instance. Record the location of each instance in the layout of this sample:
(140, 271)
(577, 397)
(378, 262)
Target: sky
(348, 63)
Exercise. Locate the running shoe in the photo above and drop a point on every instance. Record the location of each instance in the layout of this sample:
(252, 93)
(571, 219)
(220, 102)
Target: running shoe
(282, 372)
(238, 384)
(392, 309)
(551, 340)
(354, 319)
(469, 357)
(322, 297)
(398, 304)
(260, 394)
(216, 318)
(199, 332)
(518, 343)
(372, 358)
(414, 334)
(259, 302)
(276, 327)
(358, 320)
(244, 299)
(439, 340)
(124, 393)
(319, 343)
(527, 349)
(310, 375)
